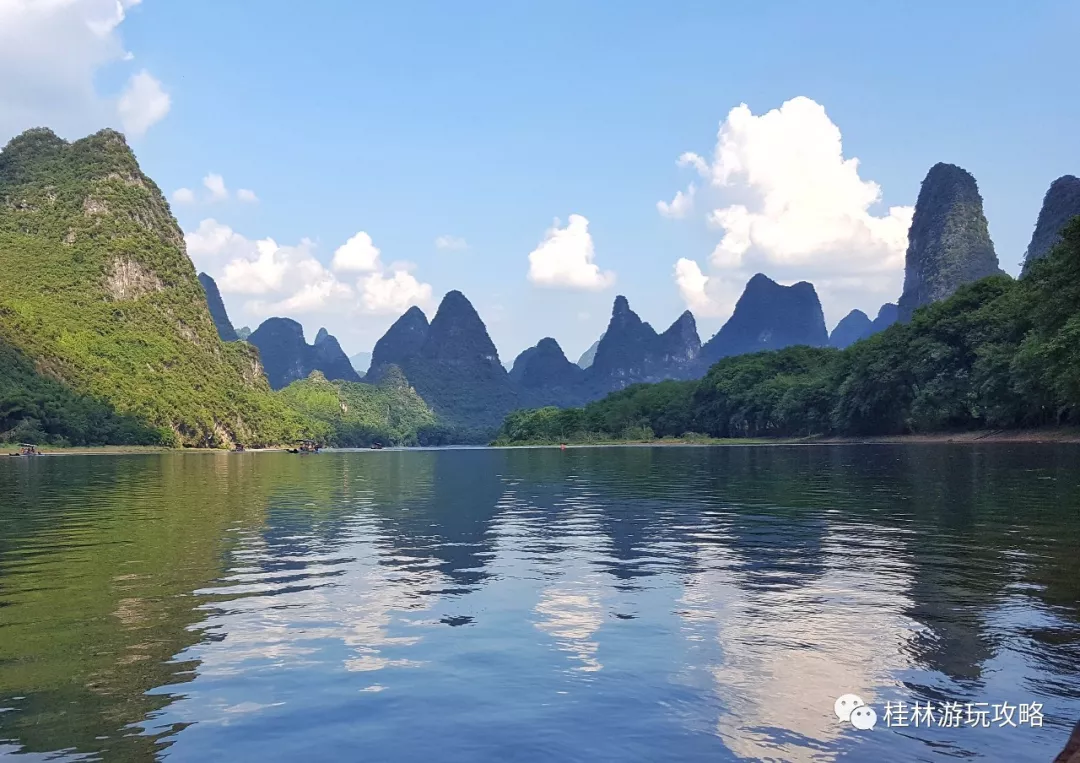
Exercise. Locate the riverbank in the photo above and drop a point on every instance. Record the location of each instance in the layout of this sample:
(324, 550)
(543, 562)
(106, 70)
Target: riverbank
(119, 450)
(1039, 435)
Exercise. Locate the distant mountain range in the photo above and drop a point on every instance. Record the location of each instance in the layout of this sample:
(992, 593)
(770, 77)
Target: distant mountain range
(456, 368)
(106, 327)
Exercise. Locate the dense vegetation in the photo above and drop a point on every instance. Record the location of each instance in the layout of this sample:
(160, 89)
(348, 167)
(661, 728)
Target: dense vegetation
(39, 409)
(100, 296)
(999, 353)
(354, 414)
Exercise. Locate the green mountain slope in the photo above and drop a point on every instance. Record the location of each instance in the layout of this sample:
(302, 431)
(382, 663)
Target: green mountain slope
(355, 414)
(96, 291)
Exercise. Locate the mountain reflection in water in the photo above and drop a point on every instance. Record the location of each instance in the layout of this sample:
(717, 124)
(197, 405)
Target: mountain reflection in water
(630, 604)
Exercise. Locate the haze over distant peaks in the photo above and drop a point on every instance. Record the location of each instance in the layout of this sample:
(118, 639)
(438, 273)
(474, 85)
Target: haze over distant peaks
(1060, 204)
(361, 361)
(949, 242)
(769, 316)
(589, 355)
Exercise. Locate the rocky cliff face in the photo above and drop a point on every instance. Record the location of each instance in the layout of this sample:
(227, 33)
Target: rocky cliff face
(287, 357)
(1060, 205)
(852, 327)
(769, 316)
(217, 309)
(949, 243)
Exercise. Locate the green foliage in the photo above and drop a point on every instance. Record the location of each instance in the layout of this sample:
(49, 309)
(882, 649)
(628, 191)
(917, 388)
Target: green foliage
(100, 296)
(999, 353)
(354, 414)
(39, 409)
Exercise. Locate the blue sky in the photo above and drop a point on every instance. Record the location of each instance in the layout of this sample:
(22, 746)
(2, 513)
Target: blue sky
(484, 122)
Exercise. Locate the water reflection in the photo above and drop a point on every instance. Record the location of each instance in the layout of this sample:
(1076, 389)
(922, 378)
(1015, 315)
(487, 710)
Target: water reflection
(631, 604)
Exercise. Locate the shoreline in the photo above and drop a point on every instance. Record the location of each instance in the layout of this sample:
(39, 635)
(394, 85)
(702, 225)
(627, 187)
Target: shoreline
(1044, 435)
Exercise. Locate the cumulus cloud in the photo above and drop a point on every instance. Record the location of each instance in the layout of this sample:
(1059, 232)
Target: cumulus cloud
(357, 255)
(680, 206)
(215, 187)
(50, 55)
(261, 278)
(451, 243)
(788, 203)
(143, 104)
(216, 191)
(394, 292)
(565, 258)
(276, 278)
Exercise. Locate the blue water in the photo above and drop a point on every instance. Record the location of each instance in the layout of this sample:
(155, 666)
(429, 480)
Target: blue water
(603, 604)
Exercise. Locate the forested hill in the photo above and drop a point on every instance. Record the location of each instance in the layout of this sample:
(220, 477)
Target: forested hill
(101, 306)
(998, 353)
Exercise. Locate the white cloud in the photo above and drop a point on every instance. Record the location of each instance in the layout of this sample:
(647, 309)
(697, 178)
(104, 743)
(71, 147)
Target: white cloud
(451, 243)
(565, 258)
(707, 296)
(50, 54)
(790, 205)
(394, 293)
(357, 255)
(260, 278)
(277, 278)
(216, 191)
(143, 104)
(215, 186)
(680, 206)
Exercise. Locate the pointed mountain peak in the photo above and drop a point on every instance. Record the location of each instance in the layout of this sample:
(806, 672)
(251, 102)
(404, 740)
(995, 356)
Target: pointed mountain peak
(280, 326)
(402, 340)
(322, 336)
(949, 242)
(218, 313)
(544, 365)
(458, 334)
(621, 306)
(455, 303)
(414, 315)
(852, 327)
(684, 322)
(549, 345)
(769, 316)
(1060, 204)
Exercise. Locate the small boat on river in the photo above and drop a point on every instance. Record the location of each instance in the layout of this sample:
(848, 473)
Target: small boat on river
(27, 449)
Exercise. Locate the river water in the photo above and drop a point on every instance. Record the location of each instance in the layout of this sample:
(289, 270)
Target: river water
(593, 604)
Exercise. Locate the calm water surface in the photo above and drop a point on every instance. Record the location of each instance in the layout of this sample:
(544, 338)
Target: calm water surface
(608, 604)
